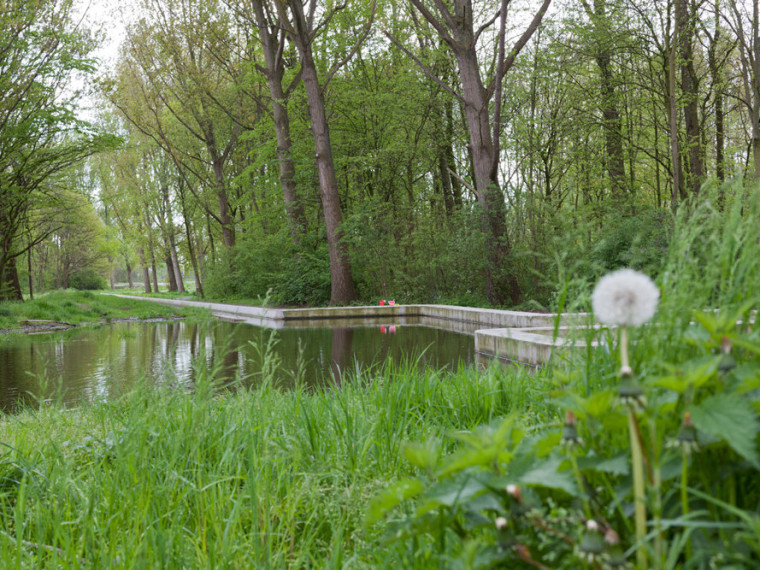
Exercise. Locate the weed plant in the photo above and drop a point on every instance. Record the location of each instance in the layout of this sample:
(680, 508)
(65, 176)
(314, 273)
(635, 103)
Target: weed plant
(647, 462)
(231, 478)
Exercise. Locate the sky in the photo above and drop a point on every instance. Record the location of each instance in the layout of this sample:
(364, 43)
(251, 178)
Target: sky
(111, 17)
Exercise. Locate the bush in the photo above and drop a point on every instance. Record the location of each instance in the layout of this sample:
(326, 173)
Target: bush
(640, 242)
(87, 280)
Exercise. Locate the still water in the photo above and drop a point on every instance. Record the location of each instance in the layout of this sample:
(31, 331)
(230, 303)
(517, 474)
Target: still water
(105, 362)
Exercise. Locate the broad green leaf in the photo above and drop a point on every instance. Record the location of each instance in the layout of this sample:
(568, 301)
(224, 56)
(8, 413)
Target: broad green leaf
(708, 321)
(392, 497)
(693, 373)
(475, 458)
(732, 419)
(748, 375)
(617, 465)
(744, 343)
(597, 404)
(452, 492)
(544, 473)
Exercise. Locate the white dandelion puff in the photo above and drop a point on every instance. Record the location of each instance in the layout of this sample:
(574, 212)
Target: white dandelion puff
(626, 298)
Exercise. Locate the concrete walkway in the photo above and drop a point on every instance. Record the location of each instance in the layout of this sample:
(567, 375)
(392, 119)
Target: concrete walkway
(514, 336)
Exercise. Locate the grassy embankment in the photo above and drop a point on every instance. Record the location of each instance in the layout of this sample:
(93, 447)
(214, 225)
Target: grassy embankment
(246, 479)
(273, 479)
(81, 307)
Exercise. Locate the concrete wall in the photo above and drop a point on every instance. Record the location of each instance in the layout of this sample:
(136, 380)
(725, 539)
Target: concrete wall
(514, 336)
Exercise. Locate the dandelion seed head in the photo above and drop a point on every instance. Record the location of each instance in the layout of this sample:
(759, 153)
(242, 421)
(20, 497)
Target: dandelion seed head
(625, 297)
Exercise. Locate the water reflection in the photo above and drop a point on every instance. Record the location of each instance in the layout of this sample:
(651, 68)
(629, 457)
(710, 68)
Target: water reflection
(99, 363)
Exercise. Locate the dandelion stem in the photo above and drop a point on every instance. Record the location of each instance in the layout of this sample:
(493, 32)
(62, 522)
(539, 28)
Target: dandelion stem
(581, 485)
(624, 365)
(638, 490)
(685, 496)
(657, 490)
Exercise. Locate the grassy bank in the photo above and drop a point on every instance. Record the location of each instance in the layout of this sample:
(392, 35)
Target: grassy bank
(79, 307)
(265, 478)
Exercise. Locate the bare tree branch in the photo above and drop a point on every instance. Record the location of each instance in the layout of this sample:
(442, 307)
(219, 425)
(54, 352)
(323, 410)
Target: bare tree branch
(424, 68)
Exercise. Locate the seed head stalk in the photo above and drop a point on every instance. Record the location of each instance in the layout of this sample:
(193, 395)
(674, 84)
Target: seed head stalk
(637, 459)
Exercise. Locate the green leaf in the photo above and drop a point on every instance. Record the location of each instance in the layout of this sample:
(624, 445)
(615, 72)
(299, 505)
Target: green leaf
(424, 456)
(392, 497)
(452, 492)
(693, 373)
(544, 473)
(617, 465)
(732, 419)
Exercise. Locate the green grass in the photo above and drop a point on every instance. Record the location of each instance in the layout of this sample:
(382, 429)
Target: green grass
(77, 307)
(243, 479)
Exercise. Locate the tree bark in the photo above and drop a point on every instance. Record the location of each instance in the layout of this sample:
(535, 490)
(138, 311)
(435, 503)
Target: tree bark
(672, 107)
(718, 84)
(175, 264)
(458, 32)
(170, 275)
(145, 272)
(129, 271)
(189, 236)
(10, 287)
(611, 120)
(275, 71)
(342, 284)
(154, 273)
(684, 34)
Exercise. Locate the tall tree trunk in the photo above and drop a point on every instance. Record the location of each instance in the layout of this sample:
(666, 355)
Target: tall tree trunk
(129, 271)
(225, 214)
(154, 272)
(456, 29)
(175, 264)
(501, 285)
(29, 269)
(611, 120)
(342, 284)
(685, 18)
(189, 236)
(145, 272)
(717, 75)
(170, 275)
(672, 107)
(10, 288)
(275, 70)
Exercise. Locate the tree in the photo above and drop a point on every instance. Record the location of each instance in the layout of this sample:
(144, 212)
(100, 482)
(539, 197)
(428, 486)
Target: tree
(482, 101)
(40, 137)
(298, 20)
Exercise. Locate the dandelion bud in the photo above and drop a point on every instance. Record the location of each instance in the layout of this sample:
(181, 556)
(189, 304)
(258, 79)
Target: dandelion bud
(570, 432)
(514, 491)
(727, 361)
(611, 537)
(687, 435)
(591, 547)
(630, 392)
(614, 557)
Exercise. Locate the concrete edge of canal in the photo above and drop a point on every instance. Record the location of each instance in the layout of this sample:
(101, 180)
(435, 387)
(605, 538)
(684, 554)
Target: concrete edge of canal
(513, 336)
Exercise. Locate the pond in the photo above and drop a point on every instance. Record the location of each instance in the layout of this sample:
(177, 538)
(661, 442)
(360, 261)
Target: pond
(105, 362)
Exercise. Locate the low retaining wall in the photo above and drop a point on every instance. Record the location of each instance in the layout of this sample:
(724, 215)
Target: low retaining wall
(515, 336)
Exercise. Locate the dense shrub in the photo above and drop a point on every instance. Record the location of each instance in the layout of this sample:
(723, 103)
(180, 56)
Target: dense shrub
(639, 241)
(87, 280)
